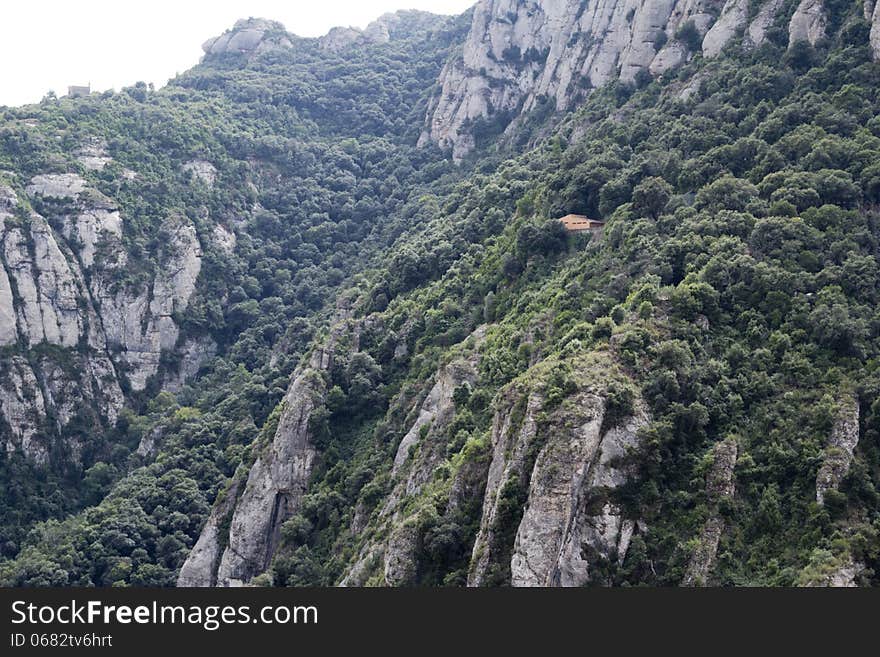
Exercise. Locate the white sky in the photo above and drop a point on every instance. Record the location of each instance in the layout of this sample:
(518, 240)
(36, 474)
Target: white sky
(49, 44)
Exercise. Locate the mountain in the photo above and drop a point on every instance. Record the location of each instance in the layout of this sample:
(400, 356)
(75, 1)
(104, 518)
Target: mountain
(308, 316)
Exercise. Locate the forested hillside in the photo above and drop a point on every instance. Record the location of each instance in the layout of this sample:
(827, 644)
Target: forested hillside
(262, 329)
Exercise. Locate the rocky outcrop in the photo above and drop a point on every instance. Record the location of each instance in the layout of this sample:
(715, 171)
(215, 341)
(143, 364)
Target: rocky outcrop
(194, 353)
(202, 170)
(397, 556)
(23, 409)
(567, 525)
(56, 185)
(93, 155)
(757, 30)
(437, 409)
(249, 36)
(76, 325)
(875, 31)
(570, 523)
(139, 323)
(275, 483)
(720, 485)
(384, 29)
(807, 23)
(200, 567)
(517, 52)
(733, 16)
(840, 449)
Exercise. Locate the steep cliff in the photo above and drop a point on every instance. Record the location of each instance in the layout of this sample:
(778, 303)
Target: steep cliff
(249, 36)
(63, 367)
(82, 334)
(720, 487)
(520, 52)
(391, 556)
(562, 464)
(841, 446)
(242, 533)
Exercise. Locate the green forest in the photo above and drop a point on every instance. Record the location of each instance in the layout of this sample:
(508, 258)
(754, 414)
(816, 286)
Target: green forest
(732, 294)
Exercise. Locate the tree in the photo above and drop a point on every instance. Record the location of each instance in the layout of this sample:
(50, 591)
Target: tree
(650, 196)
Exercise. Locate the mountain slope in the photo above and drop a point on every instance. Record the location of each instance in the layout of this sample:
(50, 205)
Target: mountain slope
(421, 378)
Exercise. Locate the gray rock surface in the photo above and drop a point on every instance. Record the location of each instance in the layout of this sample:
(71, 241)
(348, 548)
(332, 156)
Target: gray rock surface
(396, 555)
(437, 409)
(519, 51)
(875, 31)
(568, 522)
(841, 446)
(139, 322)
(60, 286)
(202, 170)
(720, 484)
(561, 532)
(733, 16)
(275, 483)
(200, 567)
(22, 408)
(252, 35)
(807, 23)
(194, 353)
(564, 47)
(757, 31)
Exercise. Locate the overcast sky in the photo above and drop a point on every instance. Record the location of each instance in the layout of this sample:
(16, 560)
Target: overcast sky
(49, 44)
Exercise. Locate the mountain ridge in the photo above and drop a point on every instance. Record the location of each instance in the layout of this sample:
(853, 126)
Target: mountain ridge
(264, 331)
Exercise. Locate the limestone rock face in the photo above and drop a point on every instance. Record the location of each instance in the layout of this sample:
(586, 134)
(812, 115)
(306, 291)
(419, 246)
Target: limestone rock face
(252, 35)
(757, 30)
(57, 185)
(140, 323)
(517, 52)
(47, 285)
(397, 555)
(382, 30)
(720, 484)
(200, 567)
(875, 31)
(807, 23)
(194, 353)
(44, 299)
(733, 16)
(560, 532)
(274, 487)
(568, 521)
(202, 170)
(23, 409)
(437, 408)
(340, 38)
(841, 446)
(93, 156)
(60, 286)
(98, 222)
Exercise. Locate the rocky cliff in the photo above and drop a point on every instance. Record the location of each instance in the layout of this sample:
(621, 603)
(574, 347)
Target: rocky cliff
(78, 332)
(546, 477)
(242, 534)
(520, 51)
(391, 558)
(249, 36)
(840, 449)
(720, 486)
(564, 463)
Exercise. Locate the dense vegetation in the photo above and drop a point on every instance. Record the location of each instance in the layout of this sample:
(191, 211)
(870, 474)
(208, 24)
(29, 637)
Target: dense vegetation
(736, 283)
